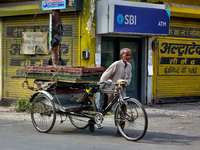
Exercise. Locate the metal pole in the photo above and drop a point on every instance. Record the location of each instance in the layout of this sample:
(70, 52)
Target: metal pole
(56, 47)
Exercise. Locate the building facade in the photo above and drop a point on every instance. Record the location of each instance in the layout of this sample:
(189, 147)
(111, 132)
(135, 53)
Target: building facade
(165, 66)
(27, 16)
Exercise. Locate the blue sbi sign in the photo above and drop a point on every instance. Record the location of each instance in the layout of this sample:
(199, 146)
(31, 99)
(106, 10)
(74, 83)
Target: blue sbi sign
(127, 19)
(141, 20)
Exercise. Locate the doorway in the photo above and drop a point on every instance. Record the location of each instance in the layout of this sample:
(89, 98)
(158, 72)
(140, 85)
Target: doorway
(110, 49)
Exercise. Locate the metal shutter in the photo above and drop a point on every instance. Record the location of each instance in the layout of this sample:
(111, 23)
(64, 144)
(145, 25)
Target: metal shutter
(177, 62)
(13, 62)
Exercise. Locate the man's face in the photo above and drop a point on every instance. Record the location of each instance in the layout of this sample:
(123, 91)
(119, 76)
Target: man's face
(126, 56)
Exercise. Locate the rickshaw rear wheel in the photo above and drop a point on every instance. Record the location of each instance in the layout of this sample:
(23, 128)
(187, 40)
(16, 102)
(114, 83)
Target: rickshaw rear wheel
(80, 119)
(43, 113)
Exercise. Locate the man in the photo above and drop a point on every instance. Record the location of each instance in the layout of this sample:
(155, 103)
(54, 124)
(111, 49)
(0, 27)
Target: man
(120, 69)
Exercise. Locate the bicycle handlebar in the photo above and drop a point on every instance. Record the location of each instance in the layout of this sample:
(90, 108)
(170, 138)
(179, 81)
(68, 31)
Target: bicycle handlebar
(120, 81)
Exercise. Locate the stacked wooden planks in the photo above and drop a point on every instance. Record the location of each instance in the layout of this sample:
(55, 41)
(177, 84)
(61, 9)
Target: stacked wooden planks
(80, 74)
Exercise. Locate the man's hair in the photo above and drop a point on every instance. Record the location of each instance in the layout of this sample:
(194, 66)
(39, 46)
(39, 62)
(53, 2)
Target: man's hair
(123, 49)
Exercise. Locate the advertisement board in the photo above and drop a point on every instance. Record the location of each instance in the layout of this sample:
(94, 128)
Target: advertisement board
(53, 4)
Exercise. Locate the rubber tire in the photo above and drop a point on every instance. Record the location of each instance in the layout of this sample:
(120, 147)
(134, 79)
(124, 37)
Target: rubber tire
(135, 113)
(44, 114)
(59, 32)
(72, 118)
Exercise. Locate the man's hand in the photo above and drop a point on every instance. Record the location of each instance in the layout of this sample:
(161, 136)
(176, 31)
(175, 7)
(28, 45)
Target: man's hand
(122, 80)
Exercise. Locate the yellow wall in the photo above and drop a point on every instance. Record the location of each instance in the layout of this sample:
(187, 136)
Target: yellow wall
(88, 32)
(185, 2)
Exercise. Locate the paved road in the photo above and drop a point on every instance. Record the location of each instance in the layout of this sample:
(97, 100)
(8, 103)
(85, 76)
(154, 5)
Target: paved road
(174, 127)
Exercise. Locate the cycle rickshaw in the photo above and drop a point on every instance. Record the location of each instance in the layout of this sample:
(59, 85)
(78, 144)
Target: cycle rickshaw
(76, 101)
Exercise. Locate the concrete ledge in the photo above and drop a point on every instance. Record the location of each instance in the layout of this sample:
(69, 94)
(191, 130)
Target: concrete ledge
(185, 11)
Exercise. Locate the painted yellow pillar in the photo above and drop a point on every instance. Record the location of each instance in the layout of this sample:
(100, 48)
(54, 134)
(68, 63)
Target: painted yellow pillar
(88, 32)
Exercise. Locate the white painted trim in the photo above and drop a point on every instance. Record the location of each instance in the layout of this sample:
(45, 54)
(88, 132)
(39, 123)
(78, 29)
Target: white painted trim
(111, 18)
(0, 59)
(149, 77)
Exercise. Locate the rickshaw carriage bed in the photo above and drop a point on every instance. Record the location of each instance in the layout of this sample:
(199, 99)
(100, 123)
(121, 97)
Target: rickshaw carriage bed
(63, 73)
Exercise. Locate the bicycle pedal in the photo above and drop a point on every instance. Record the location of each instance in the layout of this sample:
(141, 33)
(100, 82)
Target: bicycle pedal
(99, 126)
(98, 118)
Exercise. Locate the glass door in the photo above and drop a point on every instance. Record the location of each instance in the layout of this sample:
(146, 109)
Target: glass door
(133, 45)
(110, 49)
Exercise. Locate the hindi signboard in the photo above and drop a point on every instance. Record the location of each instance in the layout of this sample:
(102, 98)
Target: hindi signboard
(34, 43)
(53, 4)
(179, 57)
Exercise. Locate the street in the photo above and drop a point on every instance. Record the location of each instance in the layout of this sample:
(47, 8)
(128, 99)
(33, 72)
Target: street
(171, 126)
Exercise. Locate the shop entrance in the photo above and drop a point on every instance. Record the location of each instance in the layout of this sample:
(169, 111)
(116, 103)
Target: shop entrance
(110, 49)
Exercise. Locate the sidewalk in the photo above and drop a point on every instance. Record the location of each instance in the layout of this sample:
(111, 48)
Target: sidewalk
(186, 104)
(157, 114)
(7, 108)
(169, 107)
(160, 112)
(9, 113)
